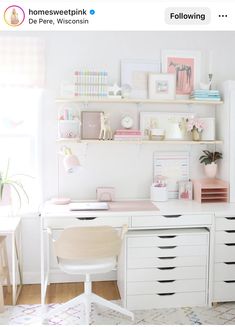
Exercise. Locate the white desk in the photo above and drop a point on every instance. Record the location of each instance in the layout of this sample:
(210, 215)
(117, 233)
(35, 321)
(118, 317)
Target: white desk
(10, 227)
(138, 215)
(57, 217)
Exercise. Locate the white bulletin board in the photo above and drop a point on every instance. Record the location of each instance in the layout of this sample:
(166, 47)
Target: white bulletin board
(174, 166)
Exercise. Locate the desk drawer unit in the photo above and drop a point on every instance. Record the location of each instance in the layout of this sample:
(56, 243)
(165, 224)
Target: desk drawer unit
(165, 300)
(171, 220)
(224, 267)
(163, 268)
(62, 222)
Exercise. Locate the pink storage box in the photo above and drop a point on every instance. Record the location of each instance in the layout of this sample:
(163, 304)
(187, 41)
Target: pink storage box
(105, 194)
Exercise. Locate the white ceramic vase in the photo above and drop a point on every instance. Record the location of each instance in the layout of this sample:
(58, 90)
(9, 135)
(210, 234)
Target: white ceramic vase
(6, 196)
(211, 170)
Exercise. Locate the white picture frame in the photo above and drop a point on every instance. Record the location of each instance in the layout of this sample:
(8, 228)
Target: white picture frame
(185, 190)
(134, 72)
(187, 67)
(173, 124)
(161, 86)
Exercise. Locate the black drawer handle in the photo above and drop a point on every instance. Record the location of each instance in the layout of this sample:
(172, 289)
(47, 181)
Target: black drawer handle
(166, 281)
(165, 258)
(165, 268)
(167, 236)
(173, 216)
(230, 218)
(230, 231)
(167, 247)
(165, 294)
(229, 281)
(86, 218)
(230, 263)
(230, 244)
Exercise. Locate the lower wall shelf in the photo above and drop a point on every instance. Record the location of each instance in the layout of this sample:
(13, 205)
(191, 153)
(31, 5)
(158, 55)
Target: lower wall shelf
(180, 142)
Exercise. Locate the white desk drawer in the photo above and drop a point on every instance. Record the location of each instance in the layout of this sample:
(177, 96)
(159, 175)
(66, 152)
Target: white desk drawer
(171, 220)
(63, 222)
(145, 302)
(224, 271)
(168, 286)
(222, 237)
(166, 262)
(224, 253)
(156, 274)
(224, 291)
(225, 223)
(168, 240)
(168, 251)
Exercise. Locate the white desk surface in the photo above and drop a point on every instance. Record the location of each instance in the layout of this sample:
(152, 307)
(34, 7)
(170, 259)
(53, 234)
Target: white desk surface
(143, 207)
(9, 224)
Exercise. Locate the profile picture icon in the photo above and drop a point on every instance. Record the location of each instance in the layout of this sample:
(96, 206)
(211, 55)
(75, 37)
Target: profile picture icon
(14, 15)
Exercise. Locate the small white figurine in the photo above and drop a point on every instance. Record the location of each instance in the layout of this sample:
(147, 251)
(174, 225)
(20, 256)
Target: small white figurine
(115, 91)
(105, 129)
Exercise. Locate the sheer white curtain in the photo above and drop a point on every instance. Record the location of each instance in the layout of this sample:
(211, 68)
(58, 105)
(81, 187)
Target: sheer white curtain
(22, 75)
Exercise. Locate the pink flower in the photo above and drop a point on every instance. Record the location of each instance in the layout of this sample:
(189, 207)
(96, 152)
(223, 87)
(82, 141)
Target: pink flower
(195, 123)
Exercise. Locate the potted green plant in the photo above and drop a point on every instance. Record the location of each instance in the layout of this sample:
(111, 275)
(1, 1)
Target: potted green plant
(210, 160)
(9, 184)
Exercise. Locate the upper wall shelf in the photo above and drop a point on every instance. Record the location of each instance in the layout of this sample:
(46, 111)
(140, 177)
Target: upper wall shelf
(136, 101)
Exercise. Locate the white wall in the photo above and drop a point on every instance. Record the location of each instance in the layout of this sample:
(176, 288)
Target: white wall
(126, 167)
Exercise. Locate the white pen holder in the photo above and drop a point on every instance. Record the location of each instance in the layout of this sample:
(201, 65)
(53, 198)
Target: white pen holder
(159, 193)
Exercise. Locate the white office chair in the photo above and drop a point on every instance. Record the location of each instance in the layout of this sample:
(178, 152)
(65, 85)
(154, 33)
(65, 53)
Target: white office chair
(86, 251)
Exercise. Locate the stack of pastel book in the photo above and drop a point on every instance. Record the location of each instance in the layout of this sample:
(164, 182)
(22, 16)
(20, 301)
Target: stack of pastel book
(92, 84)
(127, 135)
(206, 95)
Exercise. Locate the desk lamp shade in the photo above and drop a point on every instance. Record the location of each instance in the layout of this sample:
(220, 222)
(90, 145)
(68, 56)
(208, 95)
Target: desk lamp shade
(70, 161)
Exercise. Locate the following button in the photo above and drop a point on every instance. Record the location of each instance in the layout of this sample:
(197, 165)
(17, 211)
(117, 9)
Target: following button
(187, 16)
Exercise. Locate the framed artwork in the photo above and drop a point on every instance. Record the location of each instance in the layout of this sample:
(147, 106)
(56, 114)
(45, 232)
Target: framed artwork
(134, 72)
(174, 125)
(185, 190)
(186, 65)
(90, 125)
(161, 86)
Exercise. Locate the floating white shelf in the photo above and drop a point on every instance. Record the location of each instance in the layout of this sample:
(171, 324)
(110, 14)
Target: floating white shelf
(183, 142)
(136, 101)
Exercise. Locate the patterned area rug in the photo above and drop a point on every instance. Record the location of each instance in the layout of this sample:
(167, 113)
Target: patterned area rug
(222, 314)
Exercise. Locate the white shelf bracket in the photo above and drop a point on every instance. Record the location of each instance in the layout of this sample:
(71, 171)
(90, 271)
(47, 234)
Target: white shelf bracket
(139, 106)
(85, 105)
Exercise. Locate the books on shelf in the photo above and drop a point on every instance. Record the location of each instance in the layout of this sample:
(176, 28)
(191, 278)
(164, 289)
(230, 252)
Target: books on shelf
(206, 95)
(127, 135)
(91, 84)
(129, 138)
(128, 132)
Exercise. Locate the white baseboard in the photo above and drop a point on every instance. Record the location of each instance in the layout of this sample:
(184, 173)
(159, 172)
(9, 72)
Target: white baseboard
(57, 276)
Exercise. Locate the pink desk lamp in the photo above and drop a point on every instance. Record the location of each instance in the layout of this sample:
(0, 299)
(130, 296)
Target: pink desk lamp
(71, 165)
(70, 161)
